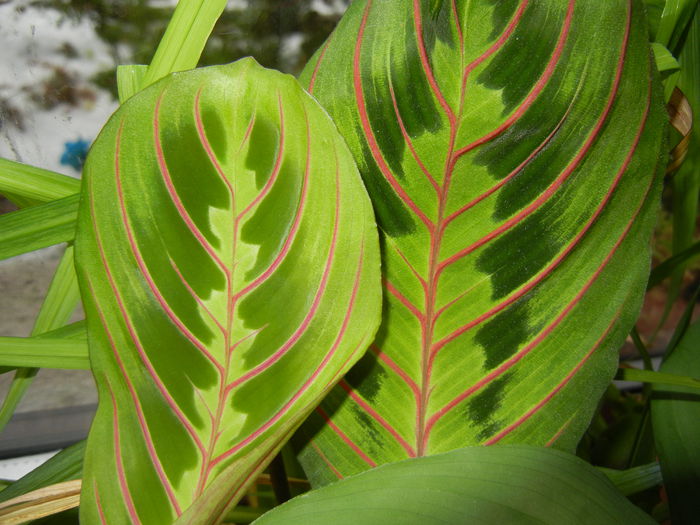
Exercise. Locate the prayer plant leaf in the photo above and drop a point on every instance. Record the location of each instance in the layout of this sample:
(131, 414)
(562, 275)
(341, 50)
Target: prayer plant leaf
(509, 484)
(512, 153)
(228, 258)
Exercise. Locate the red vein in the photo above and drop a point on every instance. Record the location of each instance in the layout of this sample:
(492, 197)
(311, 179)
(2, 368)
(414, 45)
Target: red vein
(144, 269)
(369, 133)
(559, 432)
(559, 181)
(532, 96)
(134, 337)
(137, 404)
(248, 131)
(458, 25)
(342, 435)
(507, 365)
(403, 300)
(326, 460)
(397, 369)
(409, 141)
(501, 40)
(417, 275)
(165, 173)
(121, 475)
(301, 330)
(377, 417)
(98, 504)
(243, 485)
(205, 142)
(516, 424)
(555, 263)
(275, 171)
(196, 297)
(312, 82)
(297, 218)
(428, 322)
(425, 62)
(309, 382)
(510, 176)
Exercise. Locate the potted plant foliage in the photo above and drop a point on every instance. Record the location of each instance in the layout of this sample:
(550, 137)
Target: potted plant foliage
(409, 272)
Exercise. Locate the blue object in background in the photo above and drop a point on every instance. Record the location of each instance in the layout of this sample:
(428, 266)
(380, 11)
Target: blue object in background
(74, 154)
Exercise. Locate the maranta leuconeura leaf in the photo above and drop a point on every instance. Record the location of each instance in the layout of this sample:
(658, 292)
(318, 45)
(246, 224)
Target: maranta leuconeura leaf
(512, 153)
(229, 263)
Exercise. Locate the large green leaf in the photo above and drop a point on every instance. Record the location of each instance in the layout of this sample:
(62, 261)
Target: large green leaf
(509, 484)
(675, 412)
(228, 258)
(512, 153)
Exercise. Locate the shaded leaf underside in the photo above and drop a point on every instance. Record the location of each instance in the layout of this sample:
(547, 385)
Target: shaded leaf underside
(511, 151)
(227, 259)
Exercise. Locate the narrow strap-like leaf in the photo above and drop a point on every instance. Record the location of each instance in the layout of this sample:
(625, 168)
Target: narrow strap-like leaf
(35, 184)
(61, 300)
(129, 80)
(636, 479)
(184, 39)
(38, 226)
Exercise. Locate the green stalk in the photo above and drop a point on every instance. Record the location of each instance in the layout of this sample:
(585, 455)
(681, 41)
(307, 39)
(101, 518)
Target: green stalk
(60, 303)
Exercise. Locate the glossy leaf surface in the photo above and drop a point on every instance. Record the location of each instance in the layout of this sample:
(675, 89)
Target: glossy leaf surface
(511, 150)
(511, 484)
(228, 259)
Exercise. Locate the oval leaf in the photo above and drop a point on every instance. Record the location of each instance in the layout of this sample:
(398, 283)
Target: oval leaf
(511, 150)
(229, 261)
(503, 484)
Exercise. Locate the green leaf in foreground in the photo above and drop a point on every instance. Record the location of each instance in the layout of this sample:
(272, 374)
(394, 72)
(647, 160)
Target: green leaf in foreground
(506, 484)
(512, 151)
(675, 412)
(228, 258)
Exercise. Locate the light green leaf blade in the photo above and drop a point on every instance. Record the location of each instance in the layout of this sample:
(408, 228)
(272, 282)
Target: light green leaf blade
(184, 39)
(37, 352)
(229, 263)
(513, 153)
(61, 300)
(129, 80)
(674, 21)
(675, 412)
(38, 226)
(507, 484)
(36, 185)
